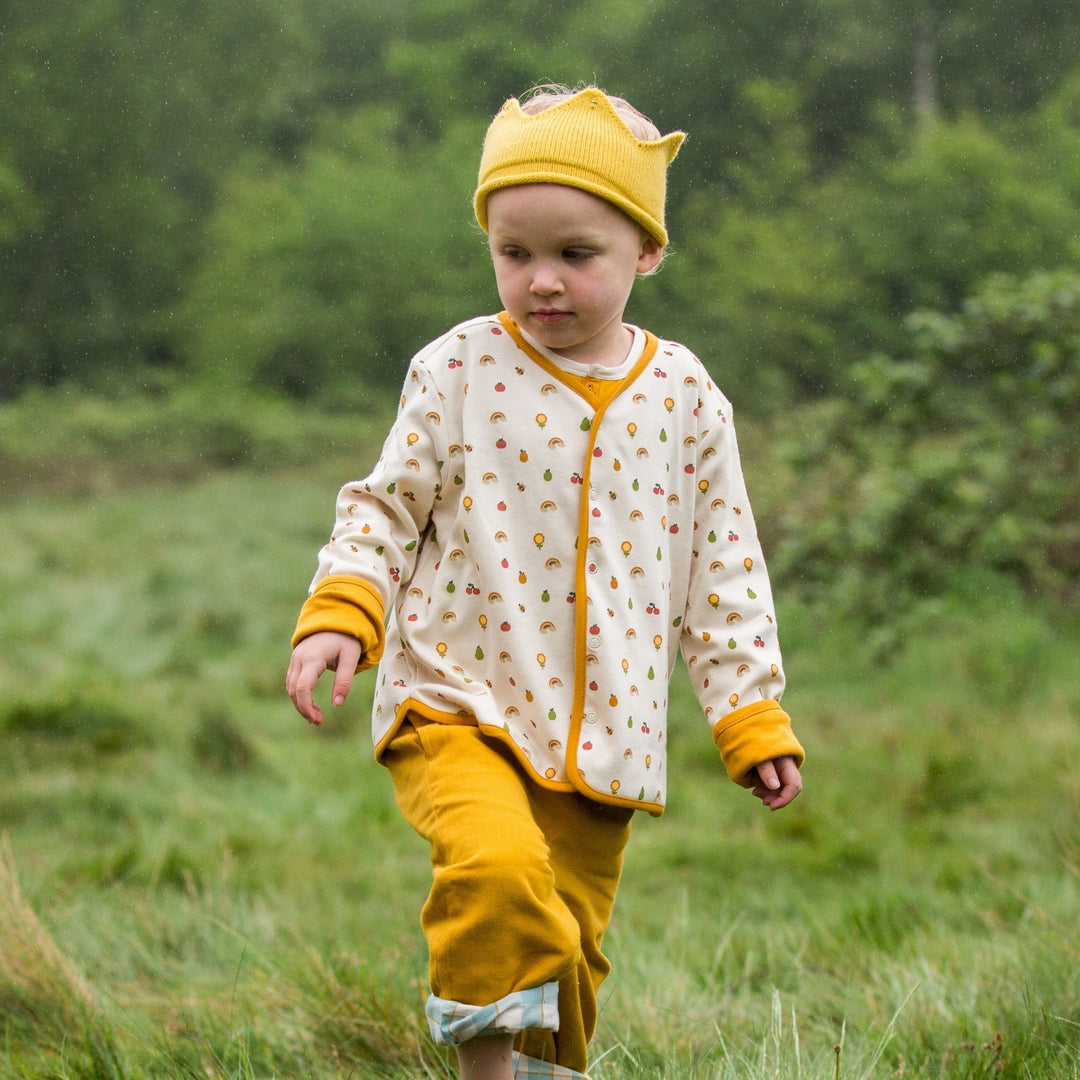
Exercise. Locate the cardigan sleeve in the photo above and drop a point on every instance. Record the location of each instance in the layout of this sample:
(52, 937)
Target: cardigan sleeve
(347, 606)
(754, 734)
(730, 638)
(381, 520)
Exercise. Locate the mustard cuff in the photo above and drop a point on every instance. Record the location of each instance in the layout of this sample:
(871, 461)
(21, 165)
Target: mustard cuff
(345, 605)
(755, 734)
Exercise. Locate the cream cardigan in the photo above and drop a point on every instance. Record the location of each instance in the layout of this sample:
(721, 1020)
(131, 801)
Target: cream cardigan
(546, 541)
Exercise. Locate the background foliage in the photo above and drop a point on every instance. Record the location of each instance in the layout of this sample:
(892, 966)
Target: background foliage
(196, 884)
(875, 223)
(223, 230)
(159, 159)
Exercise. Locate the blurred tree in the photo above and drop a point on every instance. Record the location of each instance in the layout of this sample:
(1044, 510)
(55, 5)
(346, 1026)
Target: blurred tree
(847, 58)
(124, 119)
(119, 118)
(17, 207)
(328, 277)
(808, 271)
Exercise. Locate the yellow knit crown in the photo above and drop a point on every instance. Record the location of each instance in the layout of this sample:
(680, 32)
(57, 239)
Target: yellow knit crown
(584, 143)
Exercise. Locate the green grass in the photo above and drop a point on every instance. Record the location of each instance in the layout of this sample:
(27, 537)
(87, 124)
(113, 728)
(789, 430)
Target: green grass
(194, 883)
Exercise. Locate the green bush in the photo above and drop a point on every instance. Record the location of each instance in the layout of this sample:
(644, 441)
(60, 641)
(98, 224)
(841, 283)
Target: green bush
(219, 745)
(85, 722)
(800, 273)
(962, 455)
(72, 439)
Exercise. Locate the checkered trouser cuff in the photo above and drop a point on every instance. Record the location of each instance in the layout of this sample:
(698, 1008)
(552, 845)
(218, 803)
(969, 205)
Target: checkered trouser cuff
(527, 1068)
(452, 1023)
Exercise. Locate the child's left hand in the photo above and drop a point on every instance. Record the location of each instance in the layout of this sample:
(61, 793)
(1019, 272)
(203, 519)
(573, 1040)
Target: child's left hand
(778, 782)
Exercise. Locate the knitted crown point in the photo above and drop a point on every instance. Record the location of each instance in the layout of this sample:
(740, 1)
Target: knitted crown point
(580, 142)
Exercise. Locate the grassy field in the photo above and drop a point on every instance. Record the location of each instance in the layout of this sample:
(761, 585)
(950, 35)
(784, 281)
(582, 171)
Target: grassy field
(194, 883)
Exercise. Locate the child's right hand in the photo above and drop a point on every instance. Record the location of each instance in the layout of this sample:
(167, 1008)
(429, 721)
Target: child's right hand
(324, 651)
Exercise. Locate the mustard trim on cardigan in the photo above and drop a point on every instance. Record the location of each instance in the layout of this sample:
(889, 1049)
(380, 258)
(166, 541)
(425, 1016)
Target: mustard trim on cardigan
(599, 393)
(600, 398)
(412, 708)
(345, 605)
(754, 734)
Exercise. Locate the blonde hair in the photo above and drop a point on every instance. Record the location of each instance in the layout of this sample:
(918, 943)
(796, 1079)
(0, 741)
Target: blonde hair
(545, 95)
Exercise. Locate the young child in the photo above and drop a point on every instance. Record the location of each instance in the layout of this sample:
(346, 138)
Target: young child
(558, 510)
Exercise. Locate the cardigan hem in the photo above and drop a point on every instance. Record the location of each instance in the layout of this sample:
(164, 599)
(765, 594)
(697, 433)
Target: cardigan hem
(435, 716)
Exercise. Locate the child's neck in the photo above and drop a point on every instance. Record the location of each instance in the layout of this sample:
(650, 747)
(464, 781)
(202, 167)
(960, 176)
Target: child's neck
(611, 353)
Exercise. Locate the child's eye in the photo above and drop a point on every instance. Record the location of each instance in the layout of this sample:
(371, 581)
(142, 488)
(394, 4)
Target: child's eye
(573, 254)
(514, 253)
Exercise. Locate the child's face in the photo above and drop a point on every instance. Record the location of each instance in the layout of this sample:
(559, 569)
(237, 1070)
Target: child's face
(565, 262)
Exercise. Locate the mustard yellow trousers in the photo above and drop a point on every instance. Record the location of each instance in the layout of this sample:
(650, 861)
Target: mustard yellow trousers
(523, 885)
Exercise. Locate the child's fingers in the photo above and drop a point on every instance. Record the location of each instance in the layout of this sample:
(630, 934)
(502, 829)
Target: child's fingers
(348, 659)
(790, 783)
(779, 782)
(767, 777)
(300, 682)
(339, 653)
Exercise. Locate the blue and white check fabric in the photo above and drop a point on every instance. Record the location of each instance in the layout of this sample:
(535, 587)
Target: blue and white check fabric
(527, 1068)
(452, 1022)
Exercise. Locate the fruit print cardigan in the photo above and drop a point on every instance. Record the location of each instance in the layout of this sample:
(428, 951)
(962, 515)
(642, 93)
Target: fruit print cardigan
(546, 537)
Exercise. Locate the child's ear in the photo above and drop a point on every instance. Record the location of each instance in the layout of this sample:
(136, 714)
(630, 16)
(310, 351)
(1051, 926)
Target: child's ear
(650, 256)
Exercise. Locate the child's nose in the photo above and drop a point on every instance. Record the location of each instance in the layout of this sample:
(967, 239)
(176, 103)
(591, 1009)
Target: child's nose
(546, 281)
